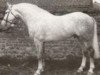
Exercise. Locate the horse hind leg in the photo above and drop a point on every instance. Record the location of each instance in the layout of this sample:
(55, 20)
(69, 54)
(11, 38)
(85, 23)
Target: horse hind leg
(94, 51)
(92, 66)
(40, 54)
(87, 51)
(85, 54)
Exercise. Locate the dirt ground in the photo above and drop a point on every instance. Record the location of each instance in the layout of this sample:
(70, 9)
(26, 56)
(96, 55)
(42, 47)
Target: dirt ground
(51, 68)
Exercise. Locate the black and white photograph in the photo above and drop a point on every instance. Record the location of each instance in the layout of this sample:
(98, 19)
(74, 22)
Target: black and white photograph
(49, 37)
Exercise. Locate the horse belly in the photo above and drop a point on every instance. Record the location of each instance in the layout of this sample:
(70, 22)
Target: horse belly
(58, 35)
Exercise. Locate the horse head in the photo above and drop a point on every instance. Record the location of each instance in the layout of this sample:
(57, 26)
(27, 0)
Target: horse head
(8, 19)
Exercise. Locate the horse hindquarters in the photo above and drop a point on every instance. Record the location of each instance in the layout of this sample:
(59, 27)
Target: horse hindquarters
(94, 49)
(90, 47)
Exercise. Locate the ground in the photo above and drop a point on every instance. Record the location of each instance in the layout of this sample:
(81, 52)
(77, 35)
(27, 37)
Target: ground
(52, 67)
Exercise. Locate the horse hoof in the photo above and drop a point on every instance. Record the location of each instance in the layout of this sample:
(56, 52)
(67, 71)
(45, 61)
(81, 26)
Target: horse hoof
(79, 71)
(90, 73)
(37, 74)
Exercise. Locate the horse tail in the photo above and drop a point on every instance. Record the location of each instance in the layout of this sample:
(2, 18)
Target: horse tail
(95, 42)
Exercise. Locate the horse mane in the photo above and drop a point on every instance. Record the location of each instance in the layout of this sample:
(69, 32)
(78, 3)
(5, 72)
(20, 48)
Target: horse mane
(31, 6)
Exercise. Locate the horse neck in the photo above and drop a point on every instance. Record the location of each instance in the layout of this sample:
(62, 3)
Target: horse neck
(24, 15)
(31, 15)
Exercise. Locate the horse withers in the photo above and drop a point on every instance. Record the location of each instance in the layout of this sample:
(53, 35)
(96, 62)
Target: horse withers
(44, 26)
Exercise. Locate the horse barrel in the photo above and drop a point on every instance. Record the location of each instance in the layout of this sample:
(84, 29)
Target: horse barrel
(15, 42)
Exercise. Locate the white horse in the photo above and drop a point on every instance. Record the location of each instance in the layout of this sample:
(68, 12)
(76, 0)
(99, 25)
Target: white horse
(44, 26)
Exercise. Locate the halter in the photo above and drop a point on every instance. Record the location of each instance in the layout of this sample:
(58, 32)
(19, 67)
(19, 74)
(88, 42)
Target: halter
(6, 20)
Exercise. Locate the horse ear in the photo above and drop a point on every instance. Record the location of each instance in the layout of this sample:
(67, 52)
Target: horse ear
(8, 4)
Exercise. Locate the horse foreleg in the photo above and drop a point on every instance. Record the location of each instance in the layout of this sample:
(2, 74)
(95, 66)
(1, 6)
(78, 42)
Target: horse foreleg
(39, 47)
